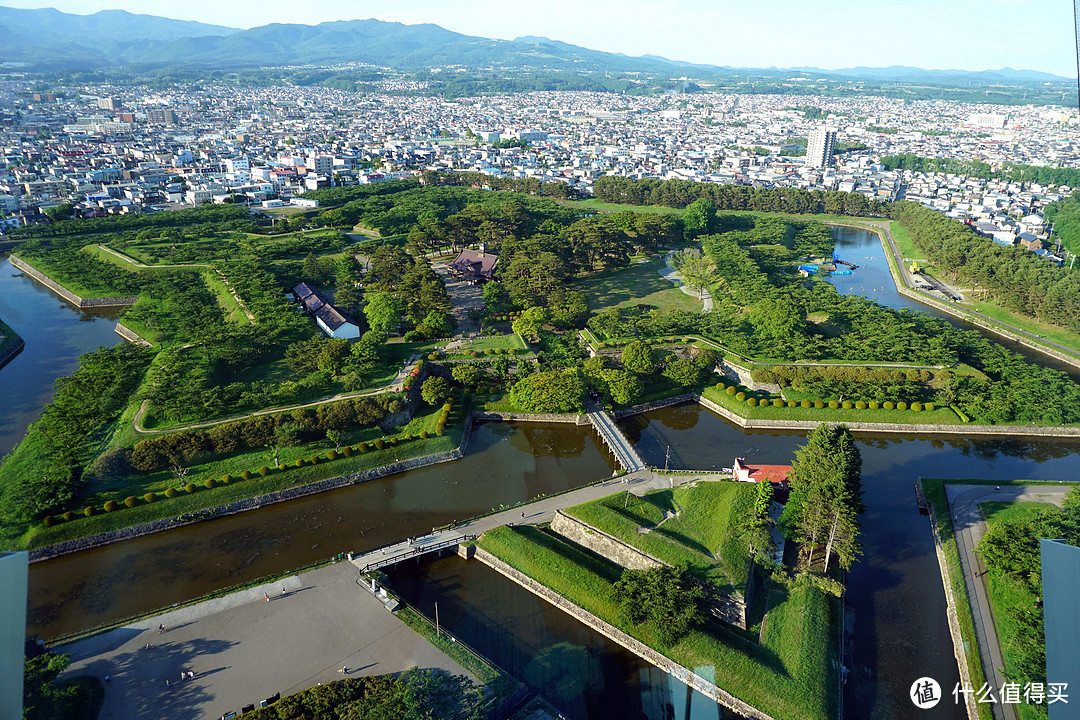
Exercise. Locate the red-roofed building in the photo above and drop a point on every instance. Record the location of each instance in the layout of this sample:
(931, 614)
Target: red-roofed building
(776, 474)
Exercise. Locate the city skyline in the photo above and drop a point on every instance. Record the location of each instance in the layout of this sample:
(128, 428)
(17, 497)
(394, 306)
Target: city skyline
(1032, 34)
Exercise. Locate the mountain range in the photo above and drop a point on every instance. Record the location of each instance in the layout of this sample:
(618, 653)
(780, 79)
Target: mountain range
(47, 39)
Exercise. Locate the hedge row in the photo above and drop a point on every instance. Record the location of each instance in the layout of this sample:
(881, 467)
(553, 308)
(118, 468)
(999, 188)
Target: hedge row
(752, 401)
(151, 497)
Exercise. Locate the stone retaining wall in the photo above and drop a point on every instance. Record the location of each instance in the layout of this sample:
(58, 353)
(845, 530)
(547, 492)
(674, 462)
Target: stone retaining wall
(739, 374)
(635, 646)
(654, 405)
(959, 646)
(532, 417)
(131, 336)
(67, 294)
(604, 545)
(254, 503)
(901, 428)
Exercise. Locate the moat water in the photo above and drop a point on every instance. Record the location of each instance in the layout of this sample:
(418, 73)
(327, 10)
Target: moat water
(895, 600)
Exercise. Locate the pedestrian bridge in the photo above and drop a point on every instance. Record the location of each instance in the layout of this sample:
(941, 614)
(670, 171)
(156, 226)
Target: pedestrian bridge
(413, 547)
(624, 452)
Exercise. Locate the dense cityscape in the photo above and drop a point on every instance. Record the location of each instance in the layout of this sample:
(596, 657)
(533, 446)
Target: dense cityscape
(366, 369)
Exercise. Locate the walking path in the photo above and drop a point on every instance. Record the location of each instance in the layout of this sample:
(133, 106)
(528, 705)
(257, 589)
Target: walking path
(394, 385)
(1030, 339)
(142, 266)
(616, 441)
(537, 512)
(670, 273)
(244, 649)
(969, 527)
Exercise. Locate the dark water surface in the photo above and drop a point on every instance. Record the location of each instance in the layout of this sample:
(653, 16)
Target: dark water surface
(505, 463)
(56, 334)
(895, 600)
(575, 668)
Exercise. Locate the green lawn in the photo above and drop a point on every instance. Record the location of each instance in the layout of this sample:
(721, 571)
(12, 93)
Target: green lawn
(791, 675)
(904, 242)
(137, 484)
(511, 341)
(616, 207)
(1053, 333)
(632, 285)
(703, 535)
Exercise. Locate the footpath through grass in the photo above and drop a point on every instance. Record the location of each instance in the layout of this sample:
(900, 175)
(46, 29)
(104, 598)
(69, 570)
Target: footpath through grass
(636, 284)
(791, 675)
(701, 530)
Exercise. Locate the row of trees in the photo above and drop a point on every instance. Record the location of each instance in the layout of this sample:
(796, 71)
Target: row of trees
(681, 193)
(1013, 172)
(1016, 278)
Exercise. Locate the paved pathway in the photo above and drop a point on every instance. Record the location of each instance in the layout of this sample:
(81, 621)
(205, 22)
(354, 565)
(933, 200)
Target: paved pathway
(540, 511)
(969, 526)
(244, 649)
(463, 296)
(670, 273)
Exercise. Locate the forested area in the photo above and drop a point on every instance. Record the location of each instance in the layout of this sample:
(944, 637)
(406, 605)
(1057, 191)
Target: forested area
(680, 193)
(217, 214)
(1012, 172)
(1015, 278)
(1064, 215)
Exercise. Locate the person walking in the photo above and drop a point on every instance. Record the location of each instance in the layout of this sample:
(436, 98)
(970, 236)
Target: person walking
(267, 596)
(282, 592)
(160, 629)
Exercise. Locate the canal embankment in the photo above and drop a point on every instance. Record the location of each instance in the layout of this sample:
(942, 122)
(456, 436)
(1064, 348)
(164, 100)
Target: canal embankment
(66, 294)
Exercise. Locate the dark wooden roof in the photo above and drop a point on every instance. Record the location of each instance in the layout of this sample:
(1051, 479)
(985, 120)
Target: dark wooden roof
(475, 264)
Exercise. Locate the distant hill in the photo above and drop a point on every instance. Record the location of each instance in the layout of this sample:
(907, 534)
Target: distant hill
(52, 40)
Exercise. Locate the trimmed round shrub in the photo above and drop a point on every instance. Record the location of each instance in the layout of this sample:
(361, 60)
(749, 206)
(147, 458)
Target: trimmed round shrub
(226, 479)
(833, 404)
(246, 475)
(901, 405)
(731, 390)
(777, 402)
(68, 515)
(380, 443)
(362, 447)
(150, 497)
(888, 405)
(331, 454)
(190, 488)
(299, 462)
(347, 451)
(874, 404)
(740, 396)
(170, 493)
(131, 501)
(392, 441)
(423, 434)
(721, 386)
(209, 483)
(47, 521)
(110, 505)
(472, 354)
(917, 407)
(314, 459)
(752, 402)
(408, 437)
(928, 407)
(282, 467)
(792, 403)
(432, 356)
(807, 404)
(439, 429)
(88, 511)
(860, 405)
(847, 405)
(819, 404)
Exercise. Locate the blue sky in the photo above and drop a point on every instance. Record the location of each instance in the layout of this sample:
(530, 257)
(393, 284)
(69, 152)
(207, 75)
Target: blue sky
(964, 34)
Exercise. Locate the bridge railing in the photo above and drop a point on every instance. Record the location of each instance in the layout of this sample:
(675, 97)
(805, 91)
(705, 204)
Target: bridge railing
(414, 551)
